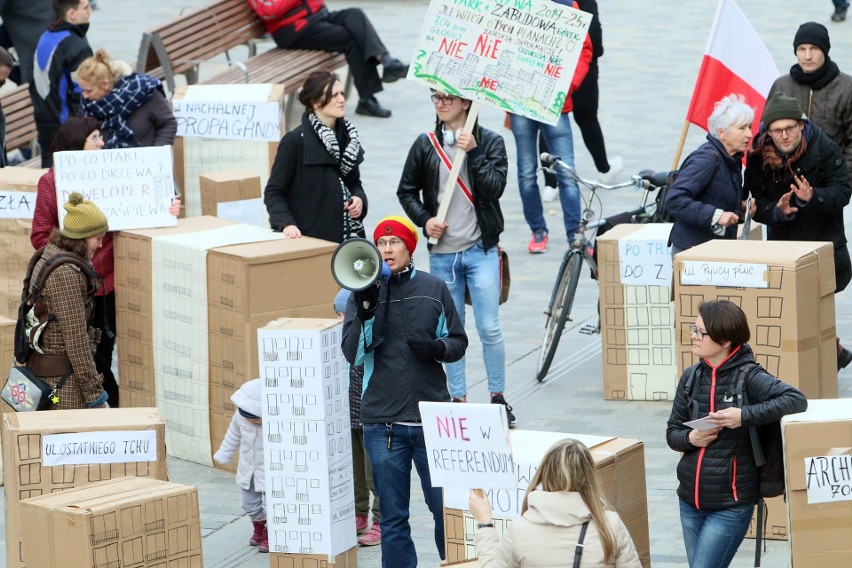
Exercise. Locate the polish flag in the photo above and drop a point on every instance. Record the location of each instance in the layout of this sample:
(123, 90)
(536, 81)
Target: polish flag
(735, 61)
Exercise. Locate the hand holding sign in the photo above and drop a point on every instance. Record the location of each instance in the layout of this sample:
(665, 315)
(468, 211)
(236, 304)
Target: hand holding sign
(479, 506)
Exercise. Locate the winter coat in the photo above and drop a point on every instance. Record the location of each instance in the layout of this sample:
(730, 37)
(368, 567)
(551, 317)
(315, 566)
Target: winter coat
(304, 187)
(395, 381)
(487, 168)
(830, 108)
(45, 219)
(709, 179)
(546, 537)
(66, 296)
(821, 218)
(60, 51)
(724, 475)
(248, 438)
(288, 16)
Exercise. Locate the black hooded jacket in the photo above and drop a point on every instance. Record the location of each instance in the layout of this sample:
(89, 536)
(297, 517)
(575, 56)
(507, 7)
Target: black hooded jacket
(724, 474)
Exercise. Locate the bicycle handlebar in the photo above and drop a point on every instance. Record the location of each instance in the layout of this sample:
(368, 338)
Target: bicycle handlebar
(635, 181)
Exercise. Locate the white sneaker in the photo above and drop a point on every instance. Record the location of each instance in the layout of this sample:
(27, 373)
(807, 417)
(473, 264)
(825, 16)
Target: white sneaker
(549, 193)
(616, 164)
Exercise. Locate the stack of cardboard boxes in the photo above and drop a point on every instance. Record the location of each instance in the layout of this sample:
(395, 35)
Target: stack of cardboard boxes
(50, 452)
(234, 195)
(307, 443)
(18, 189)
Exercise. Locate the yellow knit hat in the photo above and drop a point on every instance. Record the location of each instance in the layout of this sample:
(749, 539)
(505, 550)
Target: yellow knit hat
(83, 219)
(398, 227)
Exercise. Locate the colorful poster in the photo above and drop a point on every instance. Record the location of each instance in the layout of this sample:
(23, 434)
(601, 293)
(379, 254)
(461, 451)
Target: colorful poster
(517, 55)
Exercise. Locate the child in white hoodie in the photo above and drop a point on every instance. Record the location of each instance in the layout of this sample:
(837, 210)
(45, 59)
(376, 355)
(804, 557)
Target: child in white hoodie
(246, 433)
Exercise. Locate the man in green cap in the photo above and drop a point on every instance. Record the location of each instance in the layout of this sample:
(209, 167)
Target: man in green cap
(799, 181)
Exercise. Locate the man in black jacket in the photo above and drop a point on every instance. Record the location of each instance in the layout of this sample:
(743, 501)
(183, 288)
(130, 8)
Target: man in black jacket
(401, 332)
(60, 51)
(800, 183)
(466, 256)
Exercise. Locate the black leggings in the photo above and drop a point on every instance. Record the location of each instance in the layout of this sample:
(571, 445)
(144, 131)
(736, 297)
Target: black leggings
(103, 318)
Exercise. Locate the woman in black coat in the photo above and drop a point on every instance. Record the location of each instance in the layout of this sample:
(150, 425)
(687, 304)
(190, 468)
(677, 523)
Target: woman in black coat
(705, 200)
(314, 188)
(719, 481)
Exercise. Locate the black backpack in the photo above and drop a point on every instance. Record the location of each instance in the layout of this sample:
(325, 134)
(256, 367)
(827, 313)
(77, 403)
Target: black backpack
(32, 312)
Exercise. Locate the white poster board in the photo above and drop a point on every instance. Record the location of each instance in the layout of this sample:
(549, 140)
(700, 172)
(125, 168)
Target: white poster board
(16, 204)
(228, 120)
(645, 258)
(468, 445)
(829, 478)
(113, 446)
(248, 211)
(134, 187)
(519, 56)
(730, 274)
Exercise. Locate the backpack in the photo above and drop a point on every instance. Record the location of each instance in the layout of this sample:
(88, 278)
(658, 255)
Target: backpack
(662, 214)
(33, 317)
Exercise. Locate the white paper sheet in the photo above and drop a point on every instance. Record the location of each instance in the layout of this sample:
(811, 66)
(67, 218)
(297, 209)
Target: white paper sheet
(17, 204)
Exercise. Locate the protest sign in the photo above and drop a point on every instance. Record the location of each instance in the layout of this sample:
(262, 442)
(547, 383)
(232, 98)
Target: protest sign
(132, 186)
(731, 274)
(468, 445)
(517, 55)
(645, 258)
(829, 478)
(111, 446)
(224, 120)
(16, 204)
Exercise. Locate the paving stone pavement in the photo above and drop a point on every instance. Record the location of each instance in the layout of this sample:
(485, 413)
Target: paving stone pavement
(653, 51)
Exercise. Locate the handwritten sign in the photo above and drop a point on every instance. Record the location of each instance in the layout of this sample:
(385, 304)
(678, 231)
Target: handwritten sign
(517, 55)
(116, 446)
(730, 274)
(132, 186)
(645, 258)
(468, 445)
(16, 204)
(224, 120)
(829, 478)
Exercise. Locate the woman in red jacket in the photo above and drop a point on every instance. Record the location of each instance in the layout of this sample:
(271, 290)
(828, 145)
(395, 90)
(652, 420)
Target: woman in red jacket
(79, 133)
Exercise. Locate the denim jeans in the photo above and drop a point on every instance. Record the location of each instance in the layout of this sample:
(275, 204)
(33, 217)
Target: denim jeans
(713, 537)
(561, 143)
(478, 271)
(392, 476)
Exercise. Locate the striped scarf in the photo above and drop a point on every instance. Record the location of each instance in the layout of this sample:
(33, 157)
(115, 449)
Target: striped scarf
(129, 93)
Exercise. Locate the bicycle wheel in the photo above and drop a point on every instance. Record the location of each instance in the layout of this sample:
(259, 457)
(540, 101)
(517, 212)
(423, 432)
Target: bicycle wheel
(560, 309)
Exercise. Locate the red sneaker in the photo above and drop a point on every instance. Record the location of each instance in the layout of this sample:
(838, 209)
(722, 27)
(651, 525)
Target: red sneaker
(362, 523)
(538, 242)
(372, 537)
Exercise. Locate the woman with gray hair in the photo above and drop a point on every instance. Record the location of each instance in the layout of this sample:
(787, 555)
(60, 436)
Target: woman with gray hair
(706, 198)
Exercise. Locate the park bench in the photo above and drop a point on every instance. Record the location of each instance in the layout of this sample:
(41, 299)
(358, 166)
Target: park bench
(177, 48)
(20, 121)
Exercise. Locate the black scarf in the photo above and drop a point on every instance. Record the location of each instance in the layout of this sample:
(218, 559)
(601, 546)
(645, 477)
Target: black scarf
(819, 78)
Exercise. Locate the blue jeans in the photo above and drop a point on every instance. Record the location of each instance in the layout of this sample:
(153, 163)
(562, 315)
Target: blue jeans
(392, 477)
(713, 537)
(478, 271)
(561, 143)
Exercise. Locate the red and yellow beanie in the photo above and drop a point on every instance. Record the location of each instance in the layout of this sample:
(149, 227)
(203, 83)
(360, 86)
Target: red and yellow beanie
(398, 227)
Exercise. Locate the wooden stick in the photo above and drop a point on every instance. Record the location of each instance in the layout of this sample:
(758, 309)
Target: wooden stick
(458, 161)
(680, 144)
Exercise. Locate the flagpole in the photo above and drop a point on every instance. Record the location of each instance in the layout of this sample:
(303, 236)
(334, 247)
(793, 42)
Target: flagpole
(680, 144)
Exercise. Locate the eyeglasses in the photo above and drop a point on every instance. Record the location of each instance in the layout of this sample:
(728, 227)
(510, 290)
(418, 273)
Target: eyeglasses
(441, 100)
(783, 131)
(393, 243)
(699, 333)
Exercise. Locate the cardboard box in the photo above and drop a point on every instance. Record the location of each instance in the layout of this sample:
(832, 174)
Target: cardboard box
(791, 319)
(7, 351)
(348, 559)
(775, 524)
(637, 320)
(129, 521)
(196, 156)
(818, 471)
(620, 465)
(237, 185)
(18, 189)
(310, 496)
(33, 442)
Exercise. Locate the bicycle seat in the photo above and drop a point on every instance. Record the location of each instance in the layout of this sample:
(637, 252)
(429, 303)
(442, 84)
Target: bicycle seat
(657, 179)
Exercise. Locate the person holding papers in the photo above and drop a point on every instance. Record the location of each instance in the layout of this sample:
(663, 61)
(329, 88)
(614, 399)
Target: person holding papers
(719, 481)
(131, 107)
(564, 517)
(705, 199)
(314, 188)
(78, 133)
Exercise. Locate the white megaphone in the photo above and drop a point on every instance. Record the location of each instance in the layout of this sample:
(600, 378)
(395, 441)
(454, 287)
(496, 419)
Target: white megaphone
(357, 264)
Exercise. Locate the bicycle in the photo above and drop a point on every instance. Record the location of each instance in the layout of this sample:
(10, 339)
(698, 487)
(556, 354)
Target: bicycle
(561, 302)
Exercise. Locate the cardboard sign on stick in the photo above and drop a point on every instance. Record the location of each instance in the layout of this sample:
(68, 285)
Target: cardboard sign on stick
(468, 445)
(132, 186)
(519, 56)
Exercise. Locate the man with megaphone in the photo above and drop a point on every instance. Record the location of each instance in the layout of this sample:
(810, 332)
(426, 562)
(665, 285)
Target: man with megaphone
(401, 330)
